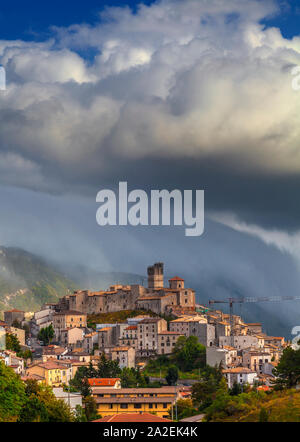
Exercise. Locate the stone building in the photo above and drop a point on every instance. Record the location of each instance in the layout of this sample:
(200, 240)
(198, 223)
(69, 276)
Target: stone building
(155, 297)
(124, 355)
(13, 315)
(166, 341)
(67, 319)
(147, 333)
(129, 336)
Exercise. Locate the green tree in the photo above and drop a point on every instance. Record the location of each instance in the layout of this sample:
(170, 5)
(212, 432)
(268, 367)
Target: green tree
(90, 407)
(41, 405)
(12, 394)
(263, 415)
(12, 343)
(107, 368)
(189, 353)
(287, 372)
(172, 375)
(185, 408)
(80, 415)
(204, 392)
(46, 334)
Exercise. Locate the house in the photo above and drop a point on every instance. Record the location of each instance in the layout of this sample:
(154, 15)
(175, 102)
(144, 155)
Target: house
(125, 356)
(114, 383)
(68, 319)
(225, 356)
(135, 400)
(239, 375)
(254, 327)
(147, 333)
(184, 324)
(268, 367)
(128, 336)
(70, 336)
(132, 417)
(54, 373)
(71, 399)
(255, 359)
(53, 352)
(43, 318)
(14, 315)
(105, 337)
(166, 341)
(242, 341)
(90, 341)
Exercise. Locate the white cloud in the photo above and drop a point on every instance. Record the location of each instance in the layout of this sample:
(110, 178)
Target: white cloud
(284, 241)
(197, 78)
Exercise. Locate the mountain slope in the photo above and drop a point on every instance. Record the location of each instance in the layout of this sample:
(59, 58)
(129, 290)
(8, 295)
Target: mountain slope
(27, 281)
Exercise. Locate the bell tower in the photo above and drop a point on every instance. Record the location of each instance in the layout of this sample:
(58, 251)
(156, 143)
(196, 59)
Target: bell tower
(156, 276)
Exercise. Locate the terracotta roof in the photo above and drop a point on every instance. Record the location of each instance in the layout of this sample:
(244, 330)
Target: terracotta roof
(176, 278)
(133, 417)
(69, 313)
(14, 310)
(134, 400)
(239, 370)
(150, 320)
(103, 382)
(150, 390)
(263, 387)
(131, 327)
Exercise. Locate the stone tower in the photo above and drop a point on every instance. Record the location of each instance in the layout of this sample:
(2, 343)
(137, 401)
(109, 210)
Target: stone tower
(156, 276)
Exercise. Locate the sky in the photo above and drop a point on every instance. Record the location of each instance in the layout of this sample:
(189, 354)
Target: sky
(185, 94)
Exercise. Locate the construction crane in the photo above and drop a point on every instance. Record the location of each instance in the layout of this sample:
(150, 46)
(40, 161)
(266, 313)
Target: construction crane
(232, 301)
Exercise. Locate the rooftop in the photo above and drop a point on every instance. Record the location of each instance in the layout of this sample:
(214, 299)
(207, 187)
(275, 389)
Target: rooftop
(133, 417)
(103, 382)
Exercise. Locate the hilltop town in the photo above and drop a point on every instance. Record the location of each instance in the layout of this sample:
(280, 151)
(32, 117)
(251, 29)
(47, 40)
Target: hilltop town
(62, 340)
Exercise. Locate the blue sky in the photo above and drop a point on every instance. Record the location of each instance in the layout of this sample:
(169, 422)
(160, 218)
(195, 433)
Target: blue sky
(34, 18)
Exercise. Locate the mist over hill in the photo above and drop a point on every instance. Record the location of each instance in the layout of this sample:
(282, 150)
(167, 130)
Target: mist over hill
(27, 280)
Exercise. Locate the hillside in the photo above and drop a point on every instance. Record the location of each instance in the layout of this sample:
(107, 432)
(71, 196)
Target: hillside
(27, 281)
(278, 406)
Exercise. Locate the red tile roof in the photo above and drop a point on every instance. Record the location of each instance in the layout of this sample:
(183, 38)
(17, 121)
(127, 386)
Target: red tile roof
(133, 417)
(103, 382)
(176, 278)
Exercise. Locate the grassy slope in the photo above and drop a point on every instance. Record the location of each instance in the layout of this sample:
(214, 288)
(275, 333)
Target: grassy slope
(283, 406)
(21, 270)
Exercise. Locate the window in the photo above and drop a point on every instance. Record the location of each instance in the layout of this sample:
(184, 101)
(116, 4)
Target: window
(137, 405)
(124, 406)
(165, 405)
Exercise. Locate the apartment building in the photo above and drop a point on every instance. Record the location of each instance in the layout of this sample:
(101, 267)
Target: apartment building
(240, 375)
(134, 400)
(147, 333)
(54, 373)
(129, 336)
(125, 356)
(166, 342)
(242, 341)
(255, 360)
(66, 320)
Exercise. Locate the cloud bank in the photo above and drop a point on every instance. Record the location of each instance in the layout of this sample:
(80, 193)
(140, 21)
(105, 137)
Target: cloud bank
(196, 81)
